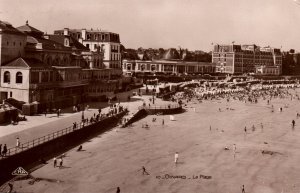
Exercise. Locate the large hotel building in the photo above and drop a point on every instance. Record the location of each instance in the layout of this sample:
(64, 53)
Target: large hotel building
(239, 59)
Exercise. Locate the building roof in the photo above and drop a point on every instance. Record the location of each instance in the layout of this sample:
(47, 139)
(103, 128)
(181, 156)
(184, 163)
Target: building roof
(8, 28)
(46, 43)
(30, 30)
(73, 42)
(26, 63)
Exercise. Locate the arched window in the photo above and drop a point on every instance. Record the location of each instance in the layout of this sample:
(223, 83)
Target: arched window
(6, 77)
(128, 66)
(19, 77)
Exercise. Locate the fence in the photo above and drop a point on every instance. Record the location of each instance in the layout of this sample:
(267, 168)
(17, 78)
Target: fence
(35, 142)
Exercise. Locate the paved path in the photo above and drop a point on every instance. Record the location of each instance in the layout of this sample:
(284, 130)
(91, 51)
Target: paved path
(39, 125)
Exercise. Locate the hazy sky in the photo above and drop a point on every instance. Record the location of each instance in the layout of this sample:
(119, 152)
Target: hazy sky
(192, 24)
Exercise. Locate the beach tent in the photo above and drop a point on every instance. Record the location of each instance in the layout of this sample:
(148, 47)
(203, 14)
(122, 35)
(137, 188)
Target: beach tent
(172, 118)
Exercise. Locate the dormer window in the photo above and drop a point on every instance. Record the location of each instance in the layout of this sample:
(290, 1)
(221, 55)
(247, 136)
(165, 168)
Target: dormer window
(67, 42)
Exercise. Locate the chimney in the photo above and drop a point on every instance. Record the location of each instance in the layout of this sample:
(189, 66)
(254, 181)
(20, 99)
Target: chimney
(83, 34)
(66, 31)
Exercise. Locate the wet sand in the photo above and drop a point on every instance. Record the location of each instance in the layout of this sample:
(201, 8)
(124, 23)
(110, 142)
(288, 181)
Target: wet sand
(116, 157)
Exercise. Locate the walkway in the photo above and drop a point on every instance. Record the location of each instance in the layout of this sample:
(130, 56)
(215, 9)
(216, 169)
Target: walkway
(39, 125)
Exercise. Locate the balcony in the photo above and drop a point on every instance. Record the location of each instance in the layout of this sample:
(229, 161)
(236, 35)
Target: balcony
(43, 85)
(66, 84)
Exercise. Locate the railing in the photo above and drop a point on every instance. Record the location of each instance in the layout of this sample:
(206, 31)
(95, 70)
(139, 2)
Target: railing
(30, 144)
(170, 106)
(44, 85)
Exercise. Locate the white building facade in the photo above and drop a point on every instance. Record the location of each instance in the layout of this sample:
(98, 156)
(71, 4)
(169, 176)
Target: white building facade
(108, 42)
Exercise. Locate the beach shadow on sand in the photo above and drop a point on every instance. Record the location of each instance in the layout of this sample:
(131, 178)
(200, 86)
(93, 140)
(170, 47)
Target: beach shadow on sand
(64, 167)
(34, 179)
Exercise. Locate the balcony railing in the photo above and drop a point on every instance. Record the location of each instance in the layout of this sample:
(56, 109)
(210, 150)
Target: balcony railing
(47, 85)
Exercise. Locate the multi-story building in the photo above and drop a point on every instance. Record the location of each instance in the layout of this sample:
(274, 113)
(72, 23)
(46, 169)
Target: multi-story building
(53, 71)
(12, 42)
(172, 62)
(237, 59)
(290, 62)
(108, 42)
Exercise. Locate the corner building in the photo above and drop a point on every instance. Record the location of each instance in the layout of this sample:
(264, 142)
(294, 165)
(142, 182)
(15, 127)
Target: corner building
(52, 71)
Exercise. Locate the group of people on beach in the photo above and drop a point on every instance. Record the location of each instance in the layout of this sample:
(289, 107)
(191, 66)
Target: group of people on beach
(249, 93)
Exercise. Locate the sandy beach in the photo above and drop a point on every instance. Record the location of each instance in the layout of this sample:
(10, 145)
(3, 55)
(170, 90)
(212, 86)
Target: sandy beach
(115, 158)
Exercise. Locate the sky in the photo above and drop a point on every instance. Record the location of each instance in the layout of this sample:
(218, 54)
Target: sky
(191, 24)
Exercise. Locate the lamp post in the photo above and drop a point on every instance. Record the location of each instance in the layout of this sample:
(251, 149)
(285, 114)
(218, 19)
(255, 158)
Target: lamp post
(82, 115)
(153, 97)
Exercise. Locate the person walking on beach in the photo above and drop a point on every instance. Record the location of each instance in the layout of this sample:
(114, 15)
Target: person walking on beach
(54, 162)
(60, 162)
(262, 127)
(243, 189)
(293, 123)
(4, 150)
(253, 128)
(234, 150)
(176, 157)
(118, 190)
(163, 122)
(144, 171)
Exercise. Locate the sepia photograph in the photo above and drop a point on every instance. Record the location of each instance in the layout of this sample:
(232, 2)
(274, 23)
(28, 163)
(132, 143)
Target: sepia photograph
(150, 96)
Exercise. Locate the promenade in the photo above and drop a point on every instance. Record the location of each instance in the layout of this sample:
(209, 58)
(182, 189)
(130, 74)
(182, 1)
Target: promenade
(40, 125)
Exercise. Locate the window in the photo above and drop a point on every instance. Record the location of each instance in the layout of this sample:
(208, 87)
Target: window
(88, 46)
(6, 77)
(49, 61)
(14, 43)
(19, 77)
(10, 94)
(95, 46)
